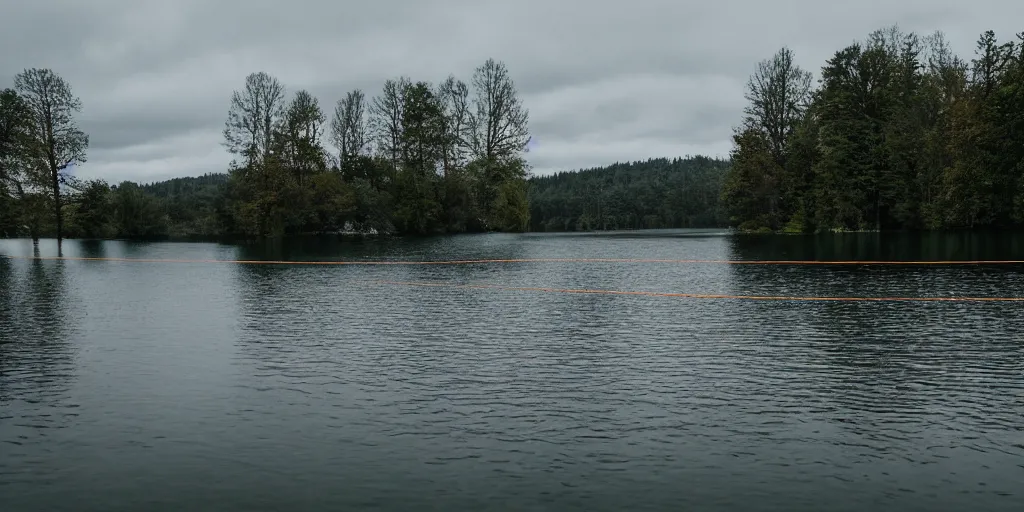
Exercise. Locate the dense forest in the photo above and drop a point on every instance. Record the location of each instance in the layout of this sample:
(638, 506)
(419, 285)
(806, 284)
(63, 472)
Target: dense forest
(416, 159)
(654, 194)
(899, 133)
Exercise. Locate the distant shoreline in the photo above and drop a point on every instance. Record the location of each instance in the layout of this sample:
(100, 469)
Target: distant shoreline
(723, 231)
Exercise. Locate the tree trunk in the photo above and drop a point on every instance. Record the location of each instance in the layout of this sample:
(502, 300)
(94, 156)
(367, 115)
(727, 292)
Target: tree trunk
(56, 207)
(26, 213)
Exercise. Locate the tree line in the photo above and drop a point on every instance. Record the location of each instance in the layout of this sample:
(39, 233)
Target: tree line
(418, 158)
(658, 193)
(899, 133)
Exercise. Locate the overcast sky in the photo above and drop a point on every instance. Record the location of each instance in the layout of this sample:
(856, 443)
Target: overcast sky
(604, 81)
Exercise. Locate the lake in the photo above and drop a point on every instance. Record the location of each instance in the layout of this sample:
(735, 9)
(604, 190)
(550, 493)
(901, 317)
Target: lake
(202, 385)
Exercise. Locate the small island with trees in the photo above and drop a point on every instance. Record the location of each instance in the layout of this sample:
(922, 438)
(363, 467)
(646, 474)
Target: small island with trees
(417, 159)
(898, 134)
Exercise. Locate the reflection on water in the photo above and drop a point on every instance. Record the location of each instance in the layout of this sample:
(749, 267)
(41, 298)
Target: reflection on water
(258, 387)
(37, 323)
(94, 248)
(881, 246)
(414, 249)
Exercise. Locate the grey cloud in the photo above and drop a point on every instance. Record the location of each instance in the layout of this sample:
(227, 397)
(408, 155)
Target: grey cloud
(604, 81)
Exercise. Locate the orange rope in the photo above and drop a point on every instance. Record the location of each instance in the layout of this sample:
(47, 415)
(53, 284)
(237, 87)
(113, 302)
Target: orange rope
(530, 260)
(701, 295)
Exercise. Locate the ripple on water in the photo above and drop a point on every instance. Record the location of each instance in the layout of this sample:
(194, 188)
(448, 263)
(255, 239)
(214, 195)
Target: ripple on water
(181, 386)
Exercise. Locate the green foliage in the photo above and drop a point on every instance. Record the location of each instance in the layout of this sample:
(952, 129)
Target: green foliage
(15, 141)
(334, 201)
(136, 214)
(15, 134)
(417, 182)
(11, 214)
(417, 209)
(194, 205)
(54, 141)
(654, 194)
(511, 207)
(752, 188)
(93, 212)
(259, 206)
(900, 134)
(97, 210)
(460, 208)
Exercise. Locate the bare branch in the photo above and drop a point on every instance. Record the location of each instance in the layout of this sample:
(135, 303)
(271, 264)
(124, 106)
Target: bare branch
(349, 125)
(254, 113)
(779, 93)
(499, 124)
(386, 118)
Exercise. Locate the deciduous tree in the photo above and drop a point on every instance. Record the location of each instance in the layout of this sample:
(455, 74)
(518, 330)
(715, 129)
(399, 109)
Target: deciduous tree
(499, 120)
(55, 142)
(300, 136)
(349, 126)
(254, 115)
(386, 119)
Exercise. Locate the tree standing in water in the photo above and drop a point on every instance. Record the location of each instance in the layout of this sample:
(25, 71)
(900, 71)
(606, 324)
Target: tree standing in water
(54, 142)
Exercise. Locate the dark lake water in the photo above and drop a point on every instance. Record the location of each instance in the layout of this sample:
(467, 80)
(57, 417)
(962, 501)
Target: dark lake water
(219, 386)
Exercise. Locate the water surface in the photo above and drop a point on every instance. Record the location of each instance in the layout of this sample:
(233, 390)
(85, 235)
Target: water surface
(218, 386)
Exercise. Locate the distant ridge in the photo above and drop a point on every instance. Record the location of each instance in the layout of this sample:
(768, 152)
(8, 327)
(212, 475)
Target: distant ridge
(656, 193)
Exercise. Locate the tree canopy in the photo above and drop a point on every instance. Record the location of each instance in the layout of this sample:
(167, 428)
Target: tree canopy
(654, 194)
(899, 134)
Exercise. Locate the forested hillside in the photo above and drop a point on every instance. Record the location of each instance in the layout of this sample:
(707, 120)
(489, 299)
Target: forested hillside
(181, 207)
(899, 133)
(651, 194)
(194, 205)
